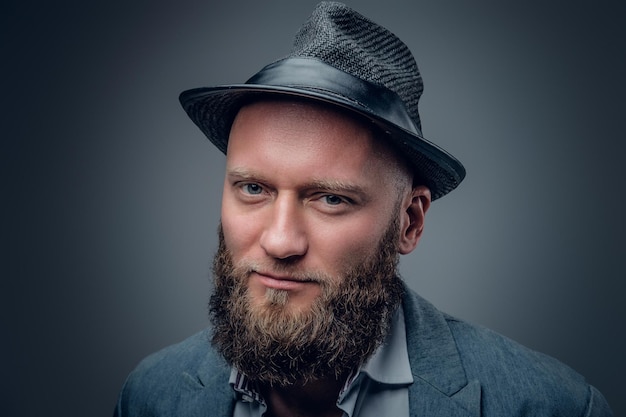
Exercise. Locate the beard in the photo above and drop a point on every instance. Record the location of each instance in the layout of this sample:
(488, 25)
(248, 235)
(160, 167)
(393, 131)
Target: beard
(343, 327)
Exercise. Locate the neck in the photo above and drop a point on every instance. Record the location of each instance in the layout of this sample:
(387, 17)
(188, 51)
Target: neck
(317, 398)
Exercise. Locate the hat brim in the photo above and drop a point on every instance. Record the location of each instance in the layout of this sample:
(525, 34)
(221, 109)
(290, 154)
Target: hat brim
(213, 110)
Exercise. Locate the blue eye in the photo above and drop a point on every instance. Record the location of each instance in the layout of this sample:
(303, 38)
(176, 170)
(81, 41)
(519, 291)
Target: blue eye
(333, 200)
(252, 188)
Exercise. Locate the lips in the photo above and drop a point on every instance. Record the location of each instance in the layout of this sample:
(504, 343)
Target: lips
(285, 283)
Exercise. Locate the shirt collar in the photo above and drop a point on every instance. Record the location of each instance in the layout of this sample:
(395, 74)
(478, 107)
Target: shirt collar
(390, 363)
(244, 389)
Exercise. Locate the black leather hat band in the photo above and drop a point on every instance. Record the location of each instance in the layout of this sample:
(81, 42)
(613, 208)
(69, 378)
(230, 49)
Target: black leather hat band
(314, 75)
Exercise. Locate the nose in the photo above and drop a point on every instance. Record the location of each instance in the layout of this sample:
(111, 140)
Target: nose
(285, 235)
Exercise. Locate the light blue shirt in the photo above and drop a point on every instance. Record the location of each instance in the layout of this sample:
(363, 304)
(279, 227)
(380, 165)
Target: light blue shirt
(379, 388)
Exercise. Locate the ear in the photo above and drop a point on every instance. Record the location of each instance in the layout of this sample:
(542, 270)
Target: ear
(415, 206)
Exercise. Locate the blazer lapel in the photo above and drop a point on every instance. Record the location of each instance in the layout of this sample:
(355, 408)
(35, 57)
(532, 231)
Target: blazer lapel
(210, 386)
(441, 387)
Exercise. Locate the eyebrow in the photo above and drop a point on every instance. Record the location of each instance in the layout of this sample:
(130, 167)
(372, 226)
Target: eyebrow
(333, 186)
(243, 174)
(337, 187)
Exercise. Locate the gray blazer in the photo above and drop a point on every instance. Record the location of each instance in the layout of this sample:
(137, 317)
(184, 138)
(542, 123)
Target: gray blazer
(459, 370)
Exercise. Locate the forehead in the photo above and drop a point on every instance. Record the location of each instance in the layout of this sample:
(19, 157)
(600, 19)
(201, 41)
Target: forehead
(300, 132)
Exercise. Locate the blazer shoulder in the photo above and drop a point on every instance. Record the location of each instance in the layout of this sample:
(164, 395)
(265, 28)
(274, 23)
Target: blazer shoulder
(187, 378)
(451, 355)
(516, 379)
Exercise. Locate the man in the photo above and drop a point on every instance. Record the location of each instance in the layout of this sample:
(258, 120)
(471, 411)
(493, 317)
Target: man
(328, 180)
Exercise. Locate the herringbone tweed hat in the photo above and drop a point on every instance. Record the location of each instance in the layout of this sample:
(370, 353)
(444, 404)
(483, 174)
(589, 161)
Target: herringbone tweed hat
(344, 59)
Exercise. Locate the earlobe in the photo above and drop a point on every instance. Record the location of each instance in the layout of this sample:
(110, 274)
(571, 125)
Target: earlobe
(412, 224)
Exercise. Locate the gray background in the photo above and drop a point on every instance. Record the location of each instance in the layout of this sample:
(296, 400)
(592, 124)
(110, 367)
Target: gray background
(111, 195)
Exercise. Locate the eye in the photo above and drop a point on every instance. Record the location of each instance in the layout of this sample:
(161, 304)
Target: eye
(333, 200)
(252, 188)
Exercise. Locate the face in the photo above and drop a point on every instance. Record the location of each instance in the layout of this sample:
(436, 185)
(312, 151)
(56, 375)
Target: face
(314, 216)
(308, 194)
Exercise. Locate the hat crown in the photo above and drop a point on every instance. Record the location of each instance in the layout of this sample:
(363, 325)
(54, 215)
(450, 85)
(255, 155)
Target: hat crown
(348, 41)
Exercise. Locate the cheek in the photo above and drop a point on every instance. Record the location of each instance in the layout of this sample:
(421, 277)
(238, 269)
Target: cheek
(236, 239)
(238, 232)
(343, 247)
(229, 233)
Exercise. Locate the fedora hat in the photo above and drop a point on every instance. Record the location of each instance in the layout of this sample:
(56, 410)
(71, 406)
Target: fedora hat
(341, 58)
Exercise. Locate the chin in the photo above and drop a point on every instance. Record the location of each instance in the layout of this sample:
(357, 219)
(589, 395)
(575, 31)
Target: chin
(280, 301)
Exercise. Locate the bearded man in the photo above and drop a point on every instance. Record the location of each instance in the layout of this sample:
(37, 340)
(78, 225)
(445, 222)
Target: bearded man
(328, 180)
